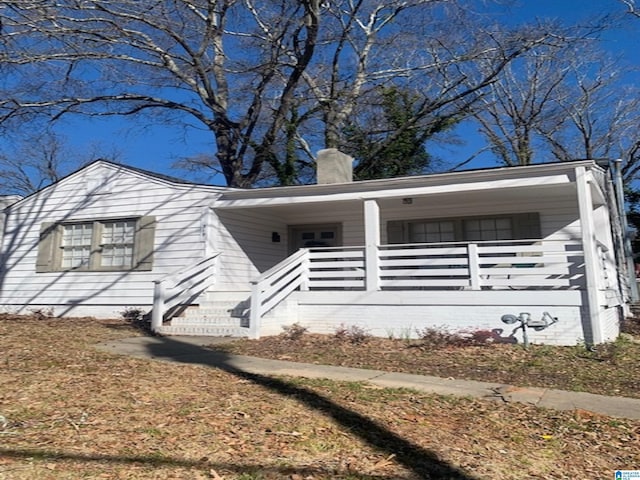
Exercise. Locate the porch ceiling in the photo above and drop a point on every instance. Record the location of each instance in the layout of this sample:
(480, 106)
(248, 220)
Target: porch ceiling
(451, 198)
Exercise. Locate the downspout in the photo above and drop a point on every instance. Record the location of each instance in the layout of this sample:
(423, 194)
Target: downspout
(626, 240)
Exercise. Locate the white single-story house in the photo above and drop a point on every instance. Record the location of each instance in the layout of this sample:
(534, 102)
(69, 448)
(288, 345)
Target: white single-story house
(451, 250)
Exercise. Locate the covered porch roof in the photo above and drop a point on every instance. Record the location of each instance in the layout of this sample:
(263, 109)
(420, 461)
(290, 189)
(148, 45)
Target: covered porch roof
(525, 181)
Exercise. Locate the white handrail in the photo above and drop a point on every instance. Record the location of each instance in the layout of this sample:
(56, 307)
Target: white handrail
(176, 288)
(274, 285)
(512, 264)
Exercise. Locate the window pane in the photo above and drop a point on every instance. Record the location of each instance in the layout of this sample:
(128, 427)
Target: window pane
(431, 232)
(488, 229)
(76, 244)
(117, 243)
(118, 232)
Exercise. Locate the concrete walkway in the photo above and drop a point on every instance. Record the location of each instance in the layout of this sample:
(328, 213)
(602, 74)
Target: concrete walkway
(190, 350)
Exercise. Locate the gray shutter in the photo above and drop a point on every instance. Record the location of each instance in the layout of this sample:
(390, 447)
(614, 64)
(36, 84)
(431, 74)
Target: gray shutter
(395, 232)
(46, 244)
(145, 237)
(526, 226)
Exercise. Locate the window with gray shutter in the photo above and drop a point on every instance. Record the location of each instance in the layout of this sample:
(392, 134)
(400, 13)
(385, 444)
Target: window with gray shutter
(98, 245)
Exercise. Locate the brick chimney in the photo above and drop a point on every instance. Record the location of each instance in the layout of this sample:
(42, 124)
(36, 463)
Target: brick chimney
(333, 166)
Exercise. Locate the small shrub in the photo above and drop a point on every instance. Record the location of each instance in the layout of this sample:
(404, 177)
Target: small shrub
(630, 325)
(481, 337)
(42, 313)
(440, 337)
(353, 334)
(137, 318)
(293, 332)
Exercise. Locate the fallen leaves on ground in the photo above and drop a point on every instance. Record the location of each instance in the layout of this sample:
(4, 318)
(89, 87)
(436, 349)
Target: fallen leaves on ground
(71, 411)
(609, 369)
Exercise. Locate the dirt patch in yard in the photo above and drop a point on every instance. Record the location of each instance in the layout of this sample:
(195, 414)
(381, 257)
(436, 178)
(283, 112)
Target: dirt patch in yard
(70, 411)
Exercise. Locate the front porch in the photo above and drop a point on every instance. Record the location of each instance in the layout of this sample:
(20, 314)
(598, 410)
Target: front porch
(409, 287)
(530, 239)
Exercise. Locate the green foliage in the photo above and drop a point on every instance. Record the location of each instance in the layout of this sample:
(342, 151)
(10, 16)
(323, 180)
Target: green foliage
(391, 142)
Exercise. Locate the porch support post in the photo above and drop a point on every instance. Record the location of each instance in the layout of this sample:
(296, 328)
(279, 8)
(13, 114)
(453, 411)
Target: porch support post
(474, 266)
(157, 312)
(585, 205)
(255, 311)
(372, 242)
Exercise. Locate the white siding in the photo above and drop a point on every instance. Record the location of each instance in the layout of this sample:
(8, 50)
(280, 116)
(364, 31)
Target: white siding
(559, 216)
(244, 240)
(350, 216)
(244, 236)
(178, 240)
(610, 323)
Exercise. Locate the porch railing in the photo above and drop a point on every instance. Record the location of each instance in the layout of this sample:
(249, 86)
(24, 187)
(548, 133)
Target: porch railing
(180, 288)
(521, 264)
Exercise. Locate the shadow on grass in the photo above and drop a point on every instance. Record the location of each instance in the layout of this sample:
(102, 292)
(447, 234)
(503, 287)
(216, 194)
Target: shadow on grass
(162, 461)
(423, 463)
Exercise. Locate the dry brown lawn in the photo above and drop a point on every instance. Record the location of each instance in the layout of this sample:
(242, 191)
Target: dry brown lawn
(70, 411)
(608, 369)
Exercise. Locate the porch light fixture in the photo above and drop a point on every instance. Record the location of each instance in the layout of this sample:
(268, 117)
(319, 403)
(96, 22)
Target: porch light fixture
(526, 321)
(275, 237)
(407, 201)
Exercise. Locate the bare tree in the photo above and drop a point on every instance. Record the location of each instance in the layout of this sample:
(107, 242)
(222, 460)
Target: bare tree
(562, 104)
(445, 54)
(193, 59)
(262, 76)
(523, 99)
(39, 159)
(633, 9)
(599, 116)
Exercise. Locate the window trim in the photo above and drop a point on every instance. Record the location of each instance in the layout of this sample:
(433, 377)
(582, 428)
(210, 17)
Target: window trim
(50, 246)
(524, 226)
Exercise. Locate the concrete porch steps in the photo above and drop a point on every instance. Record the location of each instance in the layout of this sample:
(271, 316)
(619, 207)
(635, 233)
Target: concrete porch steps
(218, 314)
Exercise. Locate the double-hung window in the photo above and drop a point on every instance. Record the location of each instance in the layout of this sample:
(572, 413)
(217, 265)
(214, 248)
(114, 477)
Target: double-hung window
(117, 244)
(76, 245)
(482, 229)
(465, 229)
(431, 232)
(97, 245)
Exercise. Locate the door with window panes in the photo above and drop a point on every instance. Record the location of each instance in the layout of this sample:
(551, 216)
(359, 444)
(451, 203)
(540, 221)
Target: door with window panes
(308, 236)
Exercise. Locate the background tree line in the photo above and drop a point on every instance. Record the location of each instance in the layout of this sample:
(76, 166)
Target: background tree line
(274, 81)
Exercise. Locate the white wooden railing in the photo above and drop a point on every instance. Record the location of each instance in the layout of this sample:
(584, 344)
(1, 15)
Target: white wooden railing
(181, 287)
(275, 285)
(509, 265)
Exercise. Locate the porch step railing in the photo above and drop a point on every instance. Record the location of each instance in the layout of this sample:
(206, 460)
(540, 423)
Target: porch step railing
(180, 288)
(517, 264)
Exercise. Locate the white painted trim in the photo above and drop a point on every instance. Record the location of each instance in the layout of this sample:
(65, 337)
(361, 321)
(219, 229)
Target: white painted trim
(292, 199)
(474, 266)
(585, 206)
(451, 298)
(372, 241)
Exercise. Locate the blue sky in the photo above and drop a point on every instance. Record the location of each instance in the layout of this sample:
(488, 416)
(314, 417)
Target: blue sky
(157, 147)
